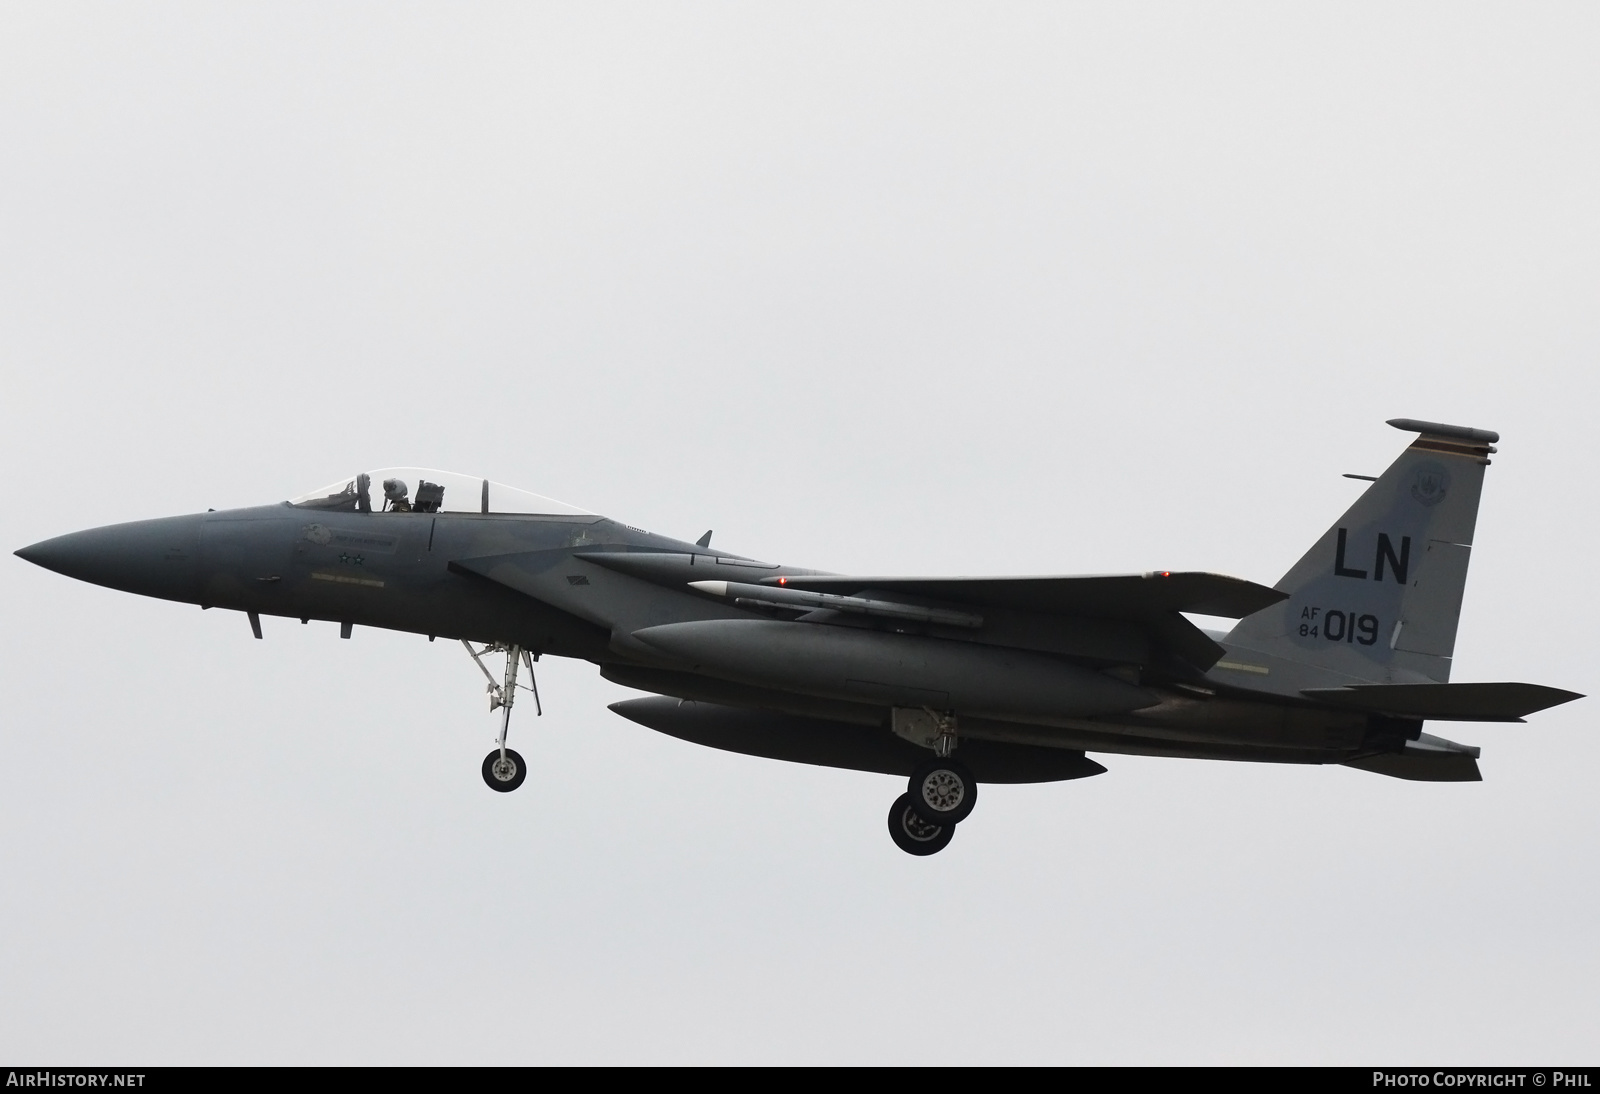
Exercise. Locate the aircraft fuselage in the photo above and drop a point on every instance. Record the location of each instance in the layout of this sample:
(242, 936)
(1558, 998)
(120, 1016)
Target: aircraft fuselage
(1020, 681)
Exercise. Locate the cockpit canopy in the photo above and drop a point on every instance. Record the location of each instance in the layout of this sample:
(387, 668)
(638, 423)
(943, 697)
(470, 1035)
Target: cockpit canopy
(421, 490)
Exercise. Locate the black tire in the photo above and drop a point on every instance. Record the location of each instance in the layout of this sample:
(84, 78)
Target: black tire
(518, 772)
(912, 834)
(943, 791)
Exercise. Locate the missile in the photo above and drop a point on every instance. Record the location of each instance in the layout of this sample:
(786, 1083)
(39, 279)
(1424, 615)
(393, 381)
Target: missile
(775, 596)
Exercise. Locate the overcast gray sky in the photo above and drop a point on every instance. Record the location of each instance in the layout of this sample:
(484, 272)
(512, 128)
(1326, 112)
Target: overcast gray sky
(918, 288)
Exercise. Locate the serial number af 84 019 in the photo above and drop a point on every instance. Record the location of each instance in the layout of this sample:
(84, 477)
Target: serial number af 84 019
(1339, 626)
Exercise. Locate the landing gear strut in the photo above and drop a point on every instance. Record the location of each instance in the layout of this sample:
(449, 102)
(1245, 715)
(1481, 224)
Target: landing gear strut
(504, 769)
(942, 792)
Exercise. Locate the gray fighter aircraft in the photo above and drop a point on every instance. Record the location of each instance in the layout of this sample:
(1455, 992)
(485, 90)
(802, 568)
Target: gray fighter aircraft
(950, 681)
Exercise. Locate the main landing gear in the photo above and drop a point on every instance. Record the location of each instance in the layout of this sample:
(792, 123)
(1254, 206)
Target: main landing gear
(504, 769)
(941, 795)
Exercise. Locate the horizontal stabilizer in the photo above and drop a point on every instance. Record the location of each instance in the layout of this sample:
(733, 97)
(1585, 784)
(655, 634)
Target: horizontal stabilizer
(1446, 702)
(1120, 596)
(1428, 759)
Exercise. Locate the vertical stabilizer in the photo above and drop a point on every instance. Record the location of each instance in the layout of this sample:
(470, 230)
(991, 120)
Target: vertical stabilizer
(1379, 595)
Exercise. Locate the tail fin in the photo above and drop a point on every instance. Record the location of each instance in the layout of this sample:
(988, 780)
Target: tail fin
(1379, 595)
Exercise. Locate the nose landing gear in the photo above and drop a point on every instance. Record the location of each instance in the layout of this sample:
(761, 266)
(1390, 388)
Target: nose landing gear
(504, 769)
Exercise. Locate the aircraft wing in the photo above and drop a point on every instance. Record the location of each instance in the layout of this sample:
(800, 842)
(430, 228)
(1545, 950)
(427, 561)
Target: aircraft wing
(1139, 597)
(1152, 600)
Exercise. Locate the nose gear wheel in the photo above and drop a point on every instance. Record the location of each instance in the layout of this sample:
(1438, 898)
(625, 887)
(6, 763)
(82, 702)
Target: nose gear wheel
(504, 772)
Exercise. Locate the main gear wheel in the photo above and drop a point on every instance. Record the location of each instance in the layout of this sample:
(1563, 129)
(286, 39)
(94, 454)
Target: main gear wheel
(943, 791)
(912, 834)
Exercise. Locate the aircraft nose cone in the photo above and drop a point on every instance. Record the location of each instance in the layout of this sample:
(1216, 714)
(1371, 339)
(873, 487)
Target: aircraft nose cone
(35, 554)
(148, 557)
(64, 554)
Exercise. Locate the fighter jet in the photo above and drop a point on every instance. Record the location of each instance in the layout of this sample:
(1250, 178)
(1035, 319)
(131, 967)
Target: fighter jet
(948, 681)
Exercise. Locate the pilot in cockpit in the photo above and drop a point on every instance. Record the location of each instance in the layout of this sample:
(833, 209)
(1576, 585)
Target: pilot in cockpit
(394, 494)
(396, 497)
(354, 495)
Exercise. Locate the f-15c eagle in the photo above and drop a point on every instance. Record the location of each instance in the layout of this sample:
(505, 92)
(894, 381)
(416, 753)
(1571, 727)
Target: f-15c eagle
(949, 681)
